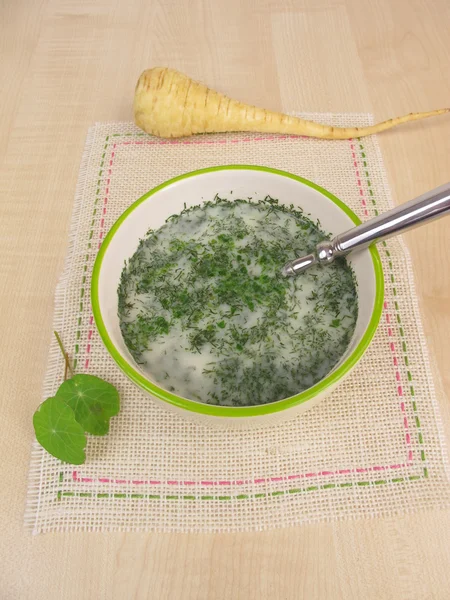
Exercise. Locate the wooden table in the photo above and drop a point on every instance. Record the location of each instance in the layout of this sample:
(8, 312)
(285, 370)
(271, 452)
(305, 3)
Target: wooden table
(68, 63)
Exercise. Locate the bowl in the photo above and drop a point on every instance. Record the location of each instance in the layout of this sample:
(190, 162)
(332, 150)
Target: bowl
(151, 211)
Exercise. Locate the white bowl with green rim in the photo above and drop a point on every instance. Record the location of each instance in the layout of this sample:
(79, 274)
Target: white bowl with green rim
(151, 211)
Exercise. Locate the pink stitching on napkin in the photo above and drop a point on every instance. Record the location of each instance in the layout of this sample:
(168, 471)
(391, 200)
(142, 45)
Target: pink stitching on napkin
(233, 141)
(100, 238)
(75, 476)
(358, 180)
(388, 316)
(260, 480)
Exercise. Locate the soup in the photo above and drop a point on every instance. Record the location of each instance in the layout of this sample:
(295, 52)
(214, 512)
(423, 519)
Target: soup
(206, 312)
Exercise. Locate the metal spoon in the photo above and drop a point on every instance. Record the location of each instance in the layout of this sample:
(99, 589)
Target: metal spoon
(427, 207)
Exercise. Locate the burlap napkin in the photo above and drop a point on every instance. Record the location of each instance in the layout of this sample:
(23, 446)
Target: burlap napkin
(373, 447)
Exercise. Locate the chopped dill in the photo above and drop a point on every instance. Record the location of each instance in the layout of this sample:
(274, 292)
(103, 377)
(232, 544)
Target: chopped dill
(203, 304)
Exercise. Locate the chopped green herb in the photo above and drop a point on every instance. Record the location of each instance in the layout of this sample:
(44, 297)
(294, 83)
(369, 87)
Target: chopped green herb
(206, 291)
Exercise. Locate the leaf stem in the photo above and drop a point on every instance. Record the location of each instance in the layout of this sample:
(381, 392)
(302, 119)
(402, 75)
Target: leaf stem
(65, 367)
(66, 356)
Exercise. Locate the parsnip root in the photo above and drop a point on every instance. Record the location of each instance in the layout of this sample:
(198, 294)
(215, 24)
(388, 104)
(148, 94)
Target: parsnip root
(169, 104)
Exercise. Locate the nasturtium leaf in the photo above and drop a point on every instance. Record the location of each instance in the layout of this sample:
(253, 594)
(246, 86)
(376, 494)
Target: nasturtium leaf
(92, 400)
(58, 432)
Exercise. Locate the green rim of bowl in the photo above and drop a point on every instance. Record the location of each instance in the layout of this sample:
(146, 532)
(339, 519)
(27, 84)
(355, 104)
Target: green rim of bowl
(229, 411)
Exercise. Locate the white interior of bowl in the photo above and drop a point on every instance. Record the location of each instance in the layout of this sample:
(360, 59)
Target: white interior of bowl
(230, 184)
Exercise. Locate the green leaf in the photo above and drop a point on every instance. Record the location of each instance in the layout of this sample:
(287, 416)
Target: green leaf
(58, 432)
(92, 400)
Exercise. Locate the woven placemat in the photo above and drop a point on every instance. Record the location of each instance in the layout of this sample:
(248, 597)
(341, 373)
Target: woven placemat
(373, 447)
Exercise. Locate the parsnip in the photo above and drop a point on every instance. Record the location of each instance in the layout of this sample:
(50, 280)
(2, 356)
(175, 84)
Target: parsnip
(169, 104)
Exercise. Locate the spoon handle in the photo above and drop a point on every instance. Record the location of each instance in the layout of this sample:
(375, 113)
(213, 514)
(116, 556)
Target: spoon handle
(427, 207)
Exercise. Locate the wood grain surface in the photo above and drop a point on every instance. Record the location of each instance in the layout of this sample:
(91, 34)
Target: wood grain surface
(65, 64)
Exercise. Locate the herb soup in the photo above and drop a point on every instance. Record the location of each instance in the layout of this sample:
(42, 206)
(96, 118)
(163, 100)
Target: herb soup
(206, 312)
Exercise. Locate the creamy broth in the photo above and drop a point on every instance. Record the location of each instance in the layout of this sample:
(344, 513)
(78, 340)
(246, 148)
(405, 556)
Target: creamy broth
(206, 312)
